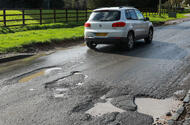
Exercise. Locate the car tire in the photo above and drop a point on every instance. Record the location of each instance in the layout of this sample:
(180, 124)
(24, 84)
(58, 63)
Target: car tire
(149, 39)
(91, 45)
(130, 41)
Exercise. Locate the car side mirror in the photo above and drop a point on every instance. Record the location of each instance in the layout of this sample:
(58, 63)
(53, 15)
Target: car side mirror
(146, 19)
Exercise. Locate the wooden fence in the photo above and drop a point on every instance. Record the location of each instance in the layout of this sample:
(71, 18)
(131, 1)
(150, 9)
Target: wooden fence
(149, 12)
(18, 17)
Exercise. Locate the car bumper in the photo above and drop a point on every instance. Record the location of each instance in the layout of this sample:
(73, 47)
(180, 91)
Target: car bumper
(106, 40)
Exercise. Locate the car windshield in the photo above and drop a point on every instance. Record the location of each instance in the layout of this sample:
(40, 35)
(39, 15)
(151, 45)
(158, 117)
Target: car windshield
(105, 15)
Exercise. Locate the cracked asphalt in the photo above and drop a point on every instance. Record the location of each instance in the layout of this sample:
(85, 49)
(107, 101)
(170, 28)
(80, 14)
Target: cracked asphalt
(58, 89)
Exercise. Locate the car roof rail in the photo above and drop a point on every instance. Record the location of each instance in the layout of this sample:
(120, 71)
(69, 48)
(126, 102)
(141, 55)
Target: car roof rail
(125, 6)
(118, 7)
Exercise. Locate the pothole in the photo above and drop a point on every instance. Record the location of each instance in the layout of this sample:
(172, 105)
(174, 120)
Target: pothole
(100, 109)
(38, 74)
(158, 109)
(32, 76)
(62, 86)
(69, 81)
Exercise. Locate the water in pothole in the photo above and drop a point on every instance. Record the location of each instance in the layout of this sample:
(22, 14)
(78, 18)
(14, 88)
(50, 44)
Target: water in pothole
(32, 76)
(38, 74)
(100, 109)
(158, 108)
(48, 71)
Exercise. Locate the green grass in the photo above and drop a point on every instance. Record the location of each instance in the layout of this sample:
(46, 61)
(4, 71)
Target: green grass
(164, 17)
(15, 41)
(6, 30)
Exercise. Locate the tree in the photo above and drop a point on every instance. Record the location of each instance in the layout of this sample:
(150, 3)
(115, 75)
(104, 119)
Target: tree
(135, 3)
(106, 3)
(187, 1)
(175, 3)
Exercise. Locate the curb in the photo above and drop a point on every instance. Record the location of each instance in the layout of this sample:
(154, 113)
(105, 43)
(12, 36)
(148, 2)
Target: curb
(14, 57)
(171, 22)
(180, 110)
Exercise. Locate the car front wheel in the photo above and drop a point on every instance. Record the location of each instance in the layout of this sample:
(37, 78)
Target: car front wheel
(149, 39)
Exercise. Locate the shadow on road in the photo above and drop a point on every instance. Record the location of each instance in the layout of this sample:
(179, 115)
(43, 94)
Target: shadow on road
(156, 50)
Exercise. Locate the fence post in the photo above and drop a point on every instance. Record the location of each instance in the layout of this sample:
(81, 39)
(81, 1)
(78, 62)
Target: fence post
(161, 12)
(4, 17)
(66, 15)
(77, 15)
(23, 17)
(149, 11)
(86, 14)
(165, 11)
(40, 16)
(54, 13)
(146, 13)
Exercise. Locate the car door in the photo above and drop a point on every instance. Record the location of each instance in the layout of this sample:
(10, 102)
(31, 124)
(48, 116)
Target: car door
(133, 20)
(142, 24)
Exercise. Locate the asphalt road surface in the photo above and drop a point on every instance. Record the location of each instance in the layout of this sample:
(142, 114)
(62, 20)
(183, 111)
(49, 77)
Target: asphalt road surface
(59, 88)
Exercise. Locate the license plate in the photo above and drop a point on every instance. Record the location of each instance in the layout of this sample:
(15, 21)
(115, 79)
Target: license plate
(101, 34)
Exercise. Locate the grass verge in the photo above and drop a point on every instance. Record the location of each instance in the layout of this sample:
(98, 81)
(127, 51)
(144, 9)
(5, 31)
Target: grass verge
(19, 40)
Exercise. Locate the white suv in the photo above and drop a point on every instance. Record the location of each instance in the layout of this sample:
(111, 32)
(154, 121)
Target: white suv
(117, 25)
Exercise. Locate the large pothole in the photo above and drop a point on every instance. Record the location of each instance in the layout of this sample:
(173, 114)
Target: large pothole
(108, 105)
(160, 110)
(100, 109)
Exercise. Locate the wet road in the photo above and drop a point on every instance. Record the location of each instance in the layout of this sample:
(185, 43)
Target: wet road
(58, 89)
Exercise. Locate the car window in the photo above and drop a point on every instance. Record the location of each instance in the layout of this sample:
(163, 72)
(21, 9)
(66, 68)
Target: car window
(106, 15)
(139, 15)
(128, 16)
(132, 14)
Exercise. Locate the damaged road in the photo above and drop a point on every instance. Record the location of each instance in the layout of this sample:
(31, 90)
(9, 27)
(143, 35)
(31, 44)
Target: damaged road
(79, 86)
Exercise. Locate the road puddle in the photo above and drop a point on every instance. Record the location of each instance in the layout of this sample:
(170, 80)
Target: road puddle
(30, 77)
(100, 109)
(158, 108)
(48, 71)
